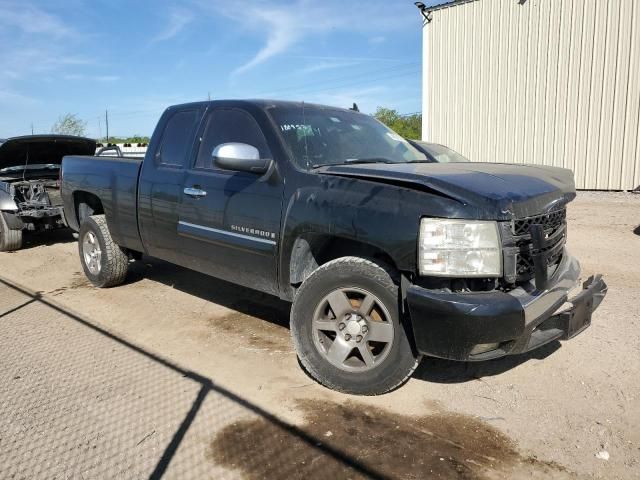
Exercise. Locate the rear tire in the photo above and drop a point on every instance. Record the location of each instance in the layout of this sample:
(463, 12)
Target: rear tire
(9, 239)
(104, 263)
(357, 346)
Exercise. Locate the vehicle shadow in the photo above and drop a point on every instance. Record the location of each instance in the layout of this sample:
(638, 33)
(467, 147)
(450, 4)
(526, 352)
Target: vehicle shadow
(275, 311)
(637, 230)
(437, 370)
(244, 300)
(40, 239)
(154, 380)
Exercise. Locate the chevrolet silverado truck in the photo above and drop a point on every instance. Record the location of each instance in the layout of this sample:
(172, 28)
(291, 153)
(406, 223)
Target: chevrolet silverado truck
(385, 254)
(29, 186)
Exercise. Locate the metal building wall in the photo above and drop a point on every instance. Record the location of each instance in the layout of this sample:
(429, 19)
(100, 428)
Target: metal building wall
(550, 82)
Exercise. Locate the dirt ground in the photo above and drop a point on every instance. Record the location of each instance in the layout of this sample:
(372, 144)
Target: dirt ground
(550, 414)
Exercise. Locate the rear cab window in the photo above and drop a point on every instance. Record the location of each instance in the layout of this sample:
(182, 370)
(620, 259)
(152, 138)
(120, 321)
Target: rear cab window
(177, 139)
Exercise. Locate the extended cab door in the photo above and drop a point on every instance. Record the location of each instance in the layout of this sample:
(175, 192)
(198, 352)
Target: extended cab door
(229, 221)
(161, 179)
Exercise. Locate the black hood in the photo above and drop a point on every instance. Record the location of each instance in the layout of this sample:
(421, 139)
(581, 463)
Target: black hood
(499, 191)
(42, 149)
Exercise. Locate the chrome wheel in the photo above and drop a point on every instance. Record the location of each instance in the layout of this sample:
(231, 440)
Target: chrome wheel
(91, 253)
(352, 329)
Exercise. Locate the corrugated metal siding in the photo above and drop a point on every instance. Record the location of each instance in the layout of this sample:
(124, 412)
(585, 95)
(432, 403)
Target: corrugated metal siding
(550, 82)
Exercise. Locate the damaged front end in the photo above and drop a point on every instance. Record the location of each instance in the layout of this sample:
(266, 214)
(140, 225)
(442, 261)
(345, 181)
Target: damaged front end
(540, 298)
(29, 184)
(37, 204)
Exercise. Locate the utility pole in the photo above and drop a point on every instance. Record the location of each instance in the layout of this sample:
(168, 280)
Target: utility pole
(106, 119)
(209, 95)
(31, 128)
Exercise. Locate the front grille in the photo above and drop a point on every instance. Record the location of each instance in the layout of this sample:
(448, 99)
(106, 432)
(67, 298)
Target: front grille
(553, 223)
(550, 222)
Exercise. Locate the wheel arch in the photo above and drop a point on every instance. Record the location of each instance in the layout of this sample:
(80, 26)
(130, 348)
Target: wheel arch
(357, 274)
(312, 250)
(86, 204)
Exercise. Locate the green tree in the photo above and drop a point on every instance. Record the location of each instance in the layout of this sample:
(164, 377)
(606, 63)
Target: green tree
(135, 139)
(408, 126)
(138, 139)
(69, 124)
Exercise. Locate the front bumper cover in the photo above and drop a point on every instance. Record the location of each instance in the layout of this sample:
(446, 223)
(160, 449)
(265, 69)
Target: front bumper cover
(450, 325)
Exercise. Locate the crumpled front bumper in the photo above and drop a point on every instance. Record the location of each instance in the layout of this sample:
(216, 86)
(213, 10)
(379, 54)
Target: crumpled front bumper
(452, 325)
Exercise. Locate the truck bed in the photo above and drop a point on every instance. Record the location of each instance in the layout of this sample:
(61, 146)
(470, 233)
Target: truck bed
(114, 180)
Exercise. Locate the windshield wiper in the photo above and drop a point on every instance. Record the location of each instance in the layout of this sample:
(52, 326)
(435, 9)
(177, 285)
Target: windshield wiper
(352, 161)
(368, 160)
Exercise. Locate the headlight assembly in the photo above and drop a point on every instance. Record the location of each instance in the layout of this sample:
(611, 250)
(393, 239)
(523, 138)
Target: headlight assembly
(459, 248)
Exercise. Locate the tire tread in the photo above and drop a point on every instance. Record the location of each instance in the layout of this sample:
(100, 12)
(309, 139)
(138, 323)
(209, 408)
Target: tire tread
(382, 274)
(10, 240)
(115, 261)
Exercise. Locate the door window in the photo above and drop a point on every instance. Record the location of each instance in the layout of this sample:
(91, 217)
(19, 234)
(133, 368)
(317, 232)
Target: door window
(229, 126)
(177, 138)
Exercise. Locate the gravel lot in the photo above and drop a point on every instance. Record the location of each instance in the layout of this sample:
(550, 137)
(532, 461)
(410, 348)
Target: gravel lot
(182, 375)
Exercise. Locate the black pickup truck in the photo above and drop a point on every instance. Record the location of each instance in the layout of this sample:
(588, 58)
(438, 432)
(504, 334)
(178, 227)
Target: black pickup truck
(385, 254)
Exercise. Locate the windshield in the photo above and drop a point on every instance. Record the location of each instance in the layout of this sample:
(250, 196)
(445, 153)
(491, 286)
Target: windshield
(319, 136)
(440, 153)
(40, 166)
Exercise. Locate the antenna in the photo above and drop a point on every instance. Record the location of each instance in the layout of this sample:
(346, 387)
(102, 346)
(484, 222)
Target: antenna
(106, 119)
(26, 164)
(304, 133)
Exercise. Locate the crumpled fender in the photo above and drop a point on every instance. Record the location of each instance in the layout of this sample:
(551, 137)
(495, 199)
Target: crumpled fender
(7, 204)
(13, 221)
(498, 191)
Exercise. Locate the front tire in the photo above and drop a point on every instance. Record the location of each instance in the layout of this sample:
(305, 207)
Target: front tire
(10, 240)
(346, 328)
(104, 263)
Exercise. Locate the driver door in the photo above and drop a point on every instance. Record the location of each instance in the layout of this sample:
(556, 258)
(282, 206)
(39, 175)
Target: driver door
(229, 221)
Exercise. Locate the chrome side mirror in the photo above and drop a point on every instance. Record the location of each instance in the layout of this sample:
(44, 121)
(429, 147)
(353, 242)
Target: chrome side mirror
(240, 157)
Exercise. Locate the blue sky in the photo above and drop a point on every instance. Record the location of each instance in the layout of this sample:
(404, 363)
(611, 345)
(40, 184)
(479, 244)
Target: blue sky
(136, 58)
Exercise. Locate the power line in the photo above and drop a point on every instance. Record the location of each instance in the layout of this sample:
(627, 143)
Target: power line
(358, 83)
(396, 71)
(341, 78)
(127, 113)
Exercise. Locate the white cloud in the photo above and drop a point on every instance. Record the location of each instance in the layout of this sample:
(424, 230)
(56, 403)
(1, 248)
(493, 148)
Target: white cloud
(367, 99)
(90, 78)
(326, 65)
(30, 19)
(33, 41)
(282, 24)
(106, 78)
(8, 97)
(286, 25)
(35, 44)
(27, 61)
(177, 21)
(377, 40)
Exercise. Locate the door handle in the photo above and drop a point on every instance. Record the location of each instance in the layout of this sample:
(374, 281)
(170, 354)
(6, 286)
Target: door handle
(195, 192)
